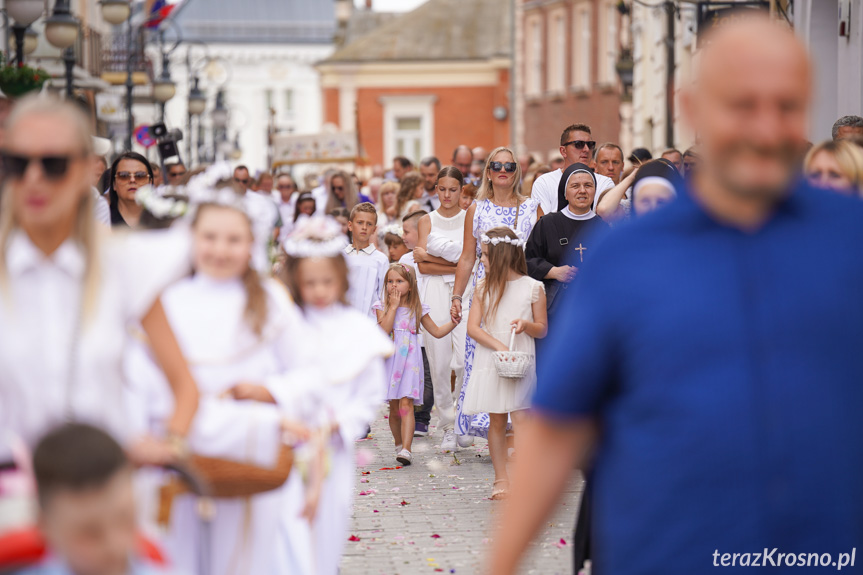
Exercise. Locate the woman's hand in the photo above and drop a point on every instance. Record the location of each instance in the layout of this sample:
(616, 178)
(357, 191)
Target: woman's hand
(563, 274)
(245, 391)
(295, 431)
(519, 325)
(455, 311)
(499, 346)
(420, 255)
(149, 450)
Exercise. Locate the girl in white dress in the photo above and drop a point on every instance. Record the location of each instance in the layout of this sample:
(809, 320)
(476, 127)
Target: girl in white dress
(506, 300)
(238, 333)
(349, 349)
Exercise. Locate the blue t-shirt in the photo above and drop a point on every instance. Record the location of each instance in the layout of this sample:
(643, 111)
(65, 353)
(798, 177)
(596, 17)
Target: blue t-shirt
(725, 370)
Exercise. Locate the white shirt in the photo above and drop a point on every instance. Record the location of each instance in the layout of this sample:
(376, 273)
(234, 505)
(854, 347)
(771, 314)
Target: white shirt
(367, 269)
(264, 215)
(322, 197)
(430, 201)
(101, 208)
(545, 189)
(53, 364)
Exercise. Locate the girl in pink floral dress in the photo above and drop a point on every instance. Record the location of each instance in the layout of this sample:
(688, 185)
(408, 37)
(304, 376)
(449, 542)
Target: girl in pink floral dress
(401, 315)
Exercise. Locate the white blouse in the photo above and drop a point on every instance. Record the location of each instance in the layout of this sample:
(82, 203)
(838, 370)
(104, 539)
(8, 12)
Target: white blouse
(56, 364)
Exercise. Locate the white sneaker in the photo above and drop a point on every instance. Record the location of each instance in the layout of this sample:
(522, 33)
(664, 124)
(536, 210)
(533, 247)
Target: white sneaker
(404, 457)
(465, 440)
(449, 442)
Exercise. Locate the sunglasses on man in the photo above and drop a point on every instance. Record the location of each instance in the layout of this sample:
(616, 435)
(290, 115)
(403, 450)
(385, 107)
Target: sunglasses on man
(509, 167)
(580, 144)
(54, 167)
(244, 181)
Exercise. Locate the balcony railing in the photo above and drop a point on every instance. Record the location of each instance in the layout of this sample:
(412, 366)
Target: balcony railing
(88, 51)
(116, 55)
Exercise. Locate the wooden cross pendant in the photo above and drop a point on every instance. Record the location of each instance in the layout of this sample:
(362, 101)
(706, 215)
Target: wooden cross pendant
(580, 249)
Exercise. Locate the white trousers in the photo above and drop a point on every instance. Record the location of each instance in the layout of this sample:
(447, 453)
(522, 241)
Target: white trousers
(446, 354)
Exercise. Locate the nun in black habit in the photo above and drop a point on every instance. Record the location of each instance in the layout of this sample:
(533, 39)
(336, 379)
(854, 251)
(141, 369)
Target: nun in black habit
(561, 241)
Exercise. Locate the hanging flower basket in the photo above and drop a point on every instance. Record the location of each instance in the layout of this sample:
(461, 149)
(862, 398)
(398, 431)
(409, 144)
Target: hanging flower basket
(16, 81)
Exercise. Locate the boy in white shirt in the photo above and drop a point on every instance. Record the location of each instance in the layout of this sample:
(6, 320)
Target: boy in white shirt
(410, 237)
(367, 266)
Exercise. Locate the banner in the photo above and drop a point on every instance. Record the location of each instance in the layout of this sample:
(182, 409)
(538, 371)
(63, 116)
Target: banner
(314, 148)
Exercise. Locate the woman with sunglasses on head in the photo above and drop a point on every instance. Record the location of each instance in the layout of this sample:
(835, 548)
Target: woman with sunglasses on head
(129, 172)
(498, 203)
(69, 291)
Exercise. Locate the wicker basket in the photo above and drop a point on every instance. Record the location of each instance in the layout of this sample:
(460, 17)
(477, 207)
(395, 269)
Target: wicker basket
(512, 364)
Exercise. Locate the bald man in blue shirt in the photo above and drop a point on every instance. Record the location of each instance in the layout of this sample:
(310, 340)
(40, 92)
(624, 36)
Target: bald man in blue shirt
(711, 355)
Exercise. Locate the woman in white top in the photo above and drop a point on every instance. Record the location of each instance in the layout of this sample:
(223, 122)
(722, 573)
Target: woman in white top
(498, 203)
(438, 250)
(68, 294)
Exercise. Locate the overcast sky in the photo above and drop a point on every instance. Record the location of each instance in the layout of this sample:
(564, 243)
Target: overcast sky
(392, 5)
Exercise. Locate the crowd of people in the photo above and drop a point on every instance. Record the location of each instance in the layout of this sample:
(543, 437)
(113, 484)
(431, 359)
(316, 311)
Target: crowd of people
(155, 315)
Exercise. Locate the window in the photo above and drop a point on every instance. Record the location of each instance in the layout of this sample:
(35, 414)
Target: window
(408, 138)
(534, 58)
(608, 56)
(408, 126)
(557, 53)
(581, 47)
(268, 99)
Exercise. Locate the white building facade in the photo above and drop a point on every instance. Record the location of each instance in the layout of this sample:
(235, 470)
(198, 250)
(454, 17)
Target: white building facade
(261, 55)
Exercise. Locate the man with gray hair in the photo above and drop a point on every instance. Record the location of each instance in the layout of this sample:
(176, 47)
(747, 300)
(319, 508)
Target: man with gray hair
(847, 126)
(429, 168)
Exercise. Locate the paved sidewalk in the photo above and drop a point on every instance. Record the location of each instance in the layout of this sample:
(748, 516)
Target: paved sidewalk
(435, 516)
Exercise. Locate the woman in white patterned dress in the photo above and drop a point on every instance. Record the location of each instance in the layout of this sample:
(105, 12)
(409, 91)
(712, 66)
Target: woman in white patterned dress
(498, 203)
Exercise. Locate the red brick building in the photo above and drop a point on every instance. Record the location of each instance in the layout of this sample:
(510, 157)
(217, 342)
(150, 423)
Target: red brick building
(567, 52)
(425, 81)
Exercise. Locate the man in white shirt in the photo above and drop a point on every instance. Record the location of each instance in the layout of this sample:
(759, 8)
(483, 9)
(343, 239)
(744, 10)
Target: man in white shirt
(576, 146)
(429, 169)
(265, 215)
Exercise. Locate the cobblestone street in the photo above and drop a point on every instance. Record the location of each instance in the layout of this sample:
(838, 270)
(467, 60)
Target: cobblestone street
(436, 516)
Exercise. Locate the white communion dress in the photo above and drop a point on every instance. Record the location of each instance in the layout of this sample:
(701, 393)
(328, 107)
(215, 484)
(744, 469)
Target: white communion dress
(488, 392)
(350, 350)
(263, 533)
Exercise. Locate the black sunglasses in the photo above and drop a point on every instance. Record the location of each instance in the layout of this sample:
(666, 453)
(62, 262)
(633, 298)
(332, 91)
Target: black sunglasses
(54, 167)
(580, 144)
(243, 181)
(501, 166)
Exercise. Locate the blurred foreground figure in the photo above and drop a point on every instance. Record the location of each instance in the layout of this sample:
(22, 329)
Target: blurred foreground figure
(702, 364)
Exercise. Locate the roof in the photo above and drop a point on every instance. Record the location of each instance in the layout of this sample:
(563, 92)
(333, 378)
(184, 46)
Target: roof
(437, 30)
(258, 21)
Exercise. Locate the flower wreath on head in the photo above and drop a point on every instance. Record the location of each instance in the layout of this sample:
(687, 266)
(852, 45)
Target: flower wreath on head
(201, 189)
(316, 237)
(394, 229)
(502, 240)
(149, 198)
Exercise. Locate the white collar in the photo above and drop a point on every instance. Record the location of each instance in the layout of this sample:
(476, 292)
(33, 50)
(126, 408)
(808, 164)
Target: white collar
(368, 250)
(589, 215)
(22, 256)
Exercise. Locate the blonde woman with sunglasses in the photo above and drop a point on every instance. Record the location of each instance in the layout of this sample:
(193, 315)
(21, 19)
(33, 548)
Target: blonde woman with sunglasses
(498, 203)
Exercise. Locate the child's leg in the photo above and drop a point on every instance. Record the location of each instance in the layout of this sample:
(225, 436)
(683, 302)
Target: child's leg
(518, 418)
(423, 413)
(406, 408)
(395, 421)
(497, 444)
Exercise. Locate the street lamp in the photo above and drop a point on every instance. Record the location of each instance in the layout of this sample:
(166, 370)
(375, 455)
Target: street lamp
(24, 13)
(31, 41)
(220, 112)
(115, 12)
(61, 28)
(163, 87)
(197, 99)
